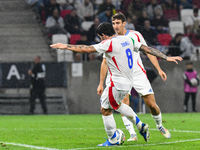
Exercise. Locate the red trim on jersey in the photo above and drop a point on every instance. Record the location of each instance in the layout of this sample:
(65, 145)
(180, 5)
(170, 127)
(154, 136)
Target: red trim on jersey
(110, 47)
(112, 100)
(141, 68)
(137, 37)
(114, 60)
(104, 41)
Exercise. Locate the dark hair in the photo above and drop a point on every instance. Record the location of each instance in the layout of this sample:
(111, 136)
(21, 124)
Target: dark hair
(119, 16)
(195, 10)
(105, 28)
(189, 63)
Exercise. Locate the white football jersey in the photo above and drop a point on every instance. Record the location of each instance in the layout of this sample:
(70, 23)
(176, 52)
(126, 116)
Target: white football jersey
(120, 53)
(140, 39)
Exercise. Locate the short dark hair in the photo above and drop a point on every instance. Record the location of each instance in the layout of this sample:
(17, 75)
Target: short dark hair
(119, 16)
(105, 28)
(195, 10)
(189, 63)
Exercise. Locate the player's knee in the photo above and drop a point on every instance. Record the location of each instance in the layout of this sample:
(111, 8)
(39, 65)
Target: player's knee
(126, 100)
(106, 112)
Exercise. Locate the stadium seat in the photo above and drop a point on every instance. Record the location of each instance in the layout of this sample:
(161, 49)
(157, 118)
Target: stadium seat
(176, 27)
(62, 55)
(171, 14)
(185, 13)
(63, 13)
(164, 38)
(74, 38)
(86, 25)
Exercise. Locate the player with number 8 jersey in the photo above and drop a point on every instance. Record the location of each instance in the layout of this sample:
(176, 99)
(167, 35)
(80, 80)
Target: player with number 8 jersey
(121, 70)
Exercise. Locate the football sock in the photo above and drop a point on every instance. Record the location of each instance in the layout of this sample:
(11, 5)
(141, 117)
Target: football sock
(129, 125)
(130, 114)
(157, 119)
(110, 126)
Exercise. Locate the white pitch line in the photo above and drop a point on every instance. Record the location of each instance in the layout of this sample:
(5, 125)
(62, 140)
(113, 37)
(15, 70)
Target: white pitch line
(46, 148)
(181, 141)
(29, 146)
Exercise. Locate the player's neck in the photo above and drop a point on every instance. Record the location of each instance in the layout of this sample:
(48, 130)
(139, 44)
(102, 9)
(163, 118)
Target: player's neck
(124, 31)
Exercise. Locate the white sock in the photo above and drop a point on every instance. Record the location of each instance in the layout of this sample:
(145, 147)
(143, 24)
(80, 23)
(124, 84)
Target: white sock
(110, 125)
(130, 114)
(129, 125)
(157, 119)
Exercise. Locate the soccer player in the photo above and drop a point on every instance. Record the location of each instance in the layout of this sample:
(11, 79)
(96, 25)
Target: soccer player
(141, 84)
(120, 53)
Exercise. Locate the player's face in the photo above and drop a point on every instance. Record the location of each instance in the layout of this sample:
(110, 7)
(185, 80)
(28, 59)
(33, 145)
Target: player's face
(118, 26)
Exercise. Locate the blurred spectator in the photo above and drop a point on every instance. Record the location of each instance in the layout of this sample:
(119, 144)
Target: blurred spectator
(192, 23)
(40, 7)
(92, 36)
(85, 11)
(140, 21)
(105, 5)
(105, 16)
(152, 7)
(185, 4)
(91, 57)
(83, 41)
(158, 21)
(50, 7)
(169, 4)
(129, 25)
(72, 22)
(55, 24)
(135, 8)
(174, 46)
(77, 57)
(66, 6)
(149, 34)
(186, 48)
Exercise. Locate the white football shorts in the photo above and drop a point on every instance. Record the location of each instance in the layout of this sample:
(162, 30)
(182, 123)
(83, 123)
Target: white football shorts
(141, 84)
(111, 97)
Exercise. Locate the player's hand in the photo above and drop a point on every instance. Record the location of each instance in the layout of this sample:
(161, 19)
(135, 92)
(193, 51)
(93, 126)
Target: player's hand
(59, 46)
(100, 89)
(162, 75)
(174, 59)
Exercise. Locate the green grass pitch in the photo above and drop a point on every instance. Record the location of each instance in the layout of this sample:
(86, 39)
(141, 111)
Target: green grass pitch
(84, 132)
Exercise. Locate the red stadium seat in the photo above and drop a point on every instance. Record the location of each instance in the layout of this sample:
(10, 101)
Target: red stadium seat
(63, 13)
(164, 39)
(171, 14)
(196, 2)
(74, 38)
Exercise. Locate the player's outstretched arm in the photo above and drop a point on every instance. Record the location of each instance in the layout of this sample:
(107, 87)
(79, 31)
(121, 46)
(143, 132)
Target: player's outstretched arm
(157, 53)
(75, 48)
(154, 61)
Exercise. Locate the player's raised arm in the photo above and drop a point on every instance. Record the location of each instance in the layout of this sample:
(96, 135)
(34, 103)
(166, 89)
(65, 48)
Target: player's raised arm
(75, 48)
(157, 53)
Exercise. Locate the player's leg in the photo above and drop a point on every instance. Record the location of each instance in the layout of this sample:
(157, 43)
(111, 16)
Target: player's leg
(156, 114)
(187, 96)
(108, 119)
(143, 86)
(128, 124)
(130, 114)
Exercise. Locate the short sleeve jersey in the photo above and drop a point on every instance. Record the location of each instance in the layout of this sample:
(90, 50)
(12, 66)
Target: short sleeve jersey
(120, 53)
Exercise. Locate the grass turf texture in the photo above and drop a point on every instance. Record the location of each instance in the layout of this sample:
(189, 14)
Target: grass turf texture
(80, 132)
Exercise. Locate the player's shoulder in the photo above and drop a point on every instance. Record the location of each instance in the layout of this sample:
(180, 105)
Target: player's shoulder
(134, 32)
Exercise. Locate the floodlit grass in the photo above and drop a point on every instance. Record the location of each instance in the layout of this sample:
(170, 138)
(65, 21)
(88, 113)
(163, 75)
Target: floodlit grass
(80, 132)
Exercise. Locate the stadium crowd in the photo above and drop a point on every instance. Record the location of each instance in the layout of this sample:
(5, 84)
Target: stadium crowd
(150, 17)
